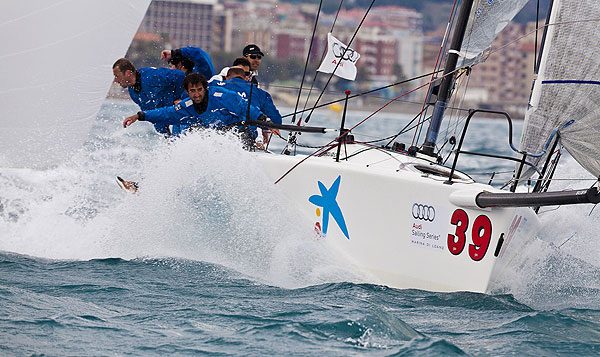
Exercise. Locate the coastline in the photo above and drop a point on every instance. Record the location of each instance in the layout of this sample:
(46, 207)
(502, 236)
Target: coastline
(286, 98)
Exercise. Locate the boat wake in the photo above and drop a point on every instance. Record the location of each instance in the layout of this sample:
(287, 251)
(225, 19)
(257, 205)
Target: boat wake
(560, 267)
(201, 198)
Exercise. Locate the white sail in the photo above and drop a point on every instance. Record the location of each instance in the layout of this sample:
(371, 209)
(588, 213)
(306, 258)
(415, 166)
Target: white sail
(55, 63)
(488, 18)
(568, 85)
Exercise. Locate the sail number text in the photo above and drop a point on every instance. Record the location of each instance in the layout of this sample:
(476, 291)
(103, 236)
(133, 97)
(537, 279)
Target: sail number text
(481, 234)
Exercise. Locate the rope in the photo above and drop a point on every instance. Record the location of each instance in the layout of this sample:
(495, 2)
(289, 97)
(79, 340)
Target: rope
(364, 93)
(322, 57)
(404, 130)
(312, 40)
(349, 130)
(437, 63)
(428, 83)
(546, 25)
(537, 26)
(338, 63)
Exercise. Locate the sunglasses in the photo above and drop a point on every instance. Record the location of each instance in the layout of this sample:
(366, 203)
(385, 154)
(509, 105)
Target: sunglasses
(255, 56)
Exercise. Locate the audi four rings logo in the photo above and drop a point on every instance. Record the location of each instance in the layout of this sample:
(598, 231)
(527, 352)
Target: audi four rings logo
(348, 55)
(424, 212)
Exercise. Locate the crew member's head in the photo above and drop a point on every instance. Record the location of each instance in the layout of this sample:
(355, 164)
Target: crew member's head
(196, 86)
(243, 63)
(237, 72)
(183, 64)
(253, 54)
(124, 72)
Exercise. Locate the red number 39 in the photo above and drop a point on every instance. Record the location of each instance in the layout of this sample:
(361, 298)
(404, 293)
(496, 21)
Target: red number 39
(481, 235)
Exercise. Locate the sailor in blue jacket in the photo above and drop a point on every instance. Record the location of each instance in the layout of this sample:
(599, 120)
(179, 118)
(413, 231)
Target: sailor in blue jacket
(237, 81)
(207, 107)
(149, 87)
(202, 61)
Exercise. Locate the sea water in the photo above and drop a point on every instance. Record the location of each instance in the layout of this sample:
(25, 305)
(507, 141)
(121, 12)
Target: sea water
(211, 259)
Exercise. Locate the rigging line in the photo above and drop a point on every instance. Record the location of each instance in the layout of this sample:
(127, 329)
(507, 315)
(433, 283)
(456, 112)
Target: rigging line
(312, 40)
(567, 179)
(451, 114)
(537, 26)
(299, 144)
(367, 94)
(549, 210)
(393, 137)
(349, 130)
(367, 136)
(322, 55)
(377, 140)
(408, 128)
(567, 240)
(364, 93)
(337, 91)
(464, 46)
(420, 128)
(529, 33)
(404, 130)
(459, 119)
(373, 147)
(414, 126)
(458, 86)
(570, 81)
(342, 56)
(328, 145)
(436, 67)
(427, 119)
(494, 172)
(532, 31)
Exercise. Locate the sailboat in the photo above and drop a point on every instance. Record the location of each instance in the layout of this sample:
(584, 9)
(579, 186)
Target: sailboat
(399, 216)
(406, 220)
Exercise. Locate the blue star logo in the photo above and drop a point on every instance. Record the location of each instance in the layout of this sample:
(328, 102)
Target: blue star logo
(327, 200)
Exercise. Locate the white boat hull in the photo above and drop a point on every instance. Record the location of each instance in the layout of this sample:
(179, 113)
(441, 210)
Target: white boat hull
(398, 219)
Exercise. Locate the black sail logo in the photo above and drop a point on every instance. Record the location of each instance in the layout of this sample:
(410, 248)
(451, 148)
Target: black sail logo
(423, 212)
(345, 53)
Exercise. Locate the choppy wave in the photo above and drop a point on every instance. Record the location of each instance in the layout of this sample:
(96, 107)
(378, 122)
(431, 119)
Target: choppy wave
(177, 306)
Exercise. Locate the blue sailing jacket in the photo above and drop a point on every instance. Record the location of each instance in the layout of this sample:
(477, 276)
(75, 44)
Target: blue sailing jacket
(224, 108)
(157, 88)
(260, 98)
(202, 61)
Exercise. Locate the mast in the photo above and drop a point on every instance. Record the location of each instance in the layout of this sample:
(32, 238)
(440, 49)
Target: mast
(447, 81)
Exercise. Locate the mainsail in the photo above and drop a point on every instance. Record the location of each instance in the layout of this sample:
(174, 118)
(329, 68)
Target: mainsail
(568, 85)
(487, 19)
(55, 63)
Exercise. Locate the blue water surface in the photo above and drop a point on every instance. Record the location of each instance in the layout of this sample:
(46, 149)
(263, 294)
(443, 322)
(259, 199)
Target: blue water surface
(173, 306)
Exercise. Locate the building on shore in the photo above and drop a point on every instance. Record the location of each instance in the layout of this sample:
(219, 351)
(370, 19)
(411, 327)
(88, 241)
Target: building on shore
(507, 74)
(391, 42)
(181, 22)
